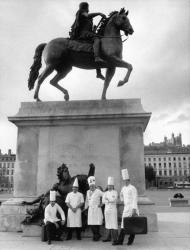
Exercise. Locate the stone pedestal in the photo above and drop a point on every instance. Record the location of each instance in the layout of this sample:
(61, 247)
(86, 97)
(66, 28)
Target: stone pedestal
(107, 133)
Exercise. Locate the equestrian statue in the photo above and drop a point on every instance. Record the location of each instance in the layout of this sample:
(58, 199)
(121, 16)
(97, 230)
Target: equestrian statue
(88, 47)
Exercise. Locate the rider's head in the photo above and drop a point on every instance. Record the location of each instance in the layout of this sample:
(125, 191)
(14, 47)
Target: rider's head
(84, 6)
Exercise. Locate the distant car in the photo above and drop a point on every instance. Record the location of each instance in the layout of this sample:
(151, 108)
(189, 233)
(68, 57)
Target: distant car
(178, 195)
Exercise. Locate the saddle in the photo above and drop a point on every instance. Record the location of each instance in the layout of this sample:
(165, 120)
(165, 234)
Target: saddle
(80, 46)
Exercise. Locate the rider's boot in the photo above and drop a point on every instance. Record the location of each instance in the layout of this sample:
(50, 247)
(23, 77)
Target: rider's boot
(99, 74)
(96, 47)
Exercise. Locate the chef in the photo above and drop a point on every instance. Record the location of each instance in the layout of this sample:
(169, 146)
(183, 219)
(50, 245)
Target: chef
(129, 196)
(110, 201)
(74, 201)
(53, 224)
(94, 203)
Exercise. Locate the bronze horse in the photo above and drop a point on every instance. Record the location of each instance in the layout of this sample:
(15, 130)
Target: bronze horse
(60, 57)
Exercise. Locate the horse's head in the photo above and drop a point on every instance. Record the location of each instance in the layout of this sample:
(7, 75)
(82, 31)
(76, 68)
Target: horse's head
(63, 173)
(122, 22)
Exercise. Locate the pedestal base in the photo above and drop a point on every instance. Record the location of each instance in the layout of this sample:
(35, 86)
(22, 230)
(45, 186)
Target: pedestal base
(12, 213)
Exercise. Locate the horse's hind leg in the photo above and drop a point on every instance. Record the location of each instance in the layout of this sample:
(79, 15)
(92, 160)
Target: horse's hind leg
(60, 75)
(109, 74)
(47, 71)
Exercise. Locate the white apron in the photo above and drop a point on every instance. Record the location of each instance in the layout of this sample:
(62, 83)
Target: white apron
(129, 196)
(95, 216)
(110, 212)
(74, 219)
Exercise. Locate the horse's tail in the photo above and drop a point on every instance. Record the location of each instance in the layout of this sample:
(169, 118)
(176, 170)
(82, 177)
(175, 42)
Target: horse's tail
(91, 170)
(34, 69)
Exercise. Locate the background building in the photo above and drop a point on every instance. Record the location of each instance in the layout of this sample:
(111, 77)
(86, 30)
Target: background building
(173, 141)
(7, 164)
(170, 160)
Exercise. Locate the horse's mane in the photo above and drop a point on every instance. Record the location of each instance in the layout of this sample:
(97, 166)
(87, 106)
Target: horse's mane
(104, 22)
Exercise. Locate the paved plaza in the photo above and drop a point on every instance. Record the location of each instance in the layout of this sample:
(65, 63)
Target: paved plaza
(174, 232)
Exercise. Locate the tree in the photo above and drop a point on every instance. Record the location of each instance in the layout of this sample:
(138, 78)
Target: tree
(150, 175)
(4, 181)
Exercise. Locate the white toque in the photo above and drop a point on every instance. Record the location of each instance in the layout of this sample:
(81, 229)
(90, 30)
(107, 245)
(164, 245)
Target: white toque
(52, 196)
(110, 180)
(75, 183)
(91, 180)
(125, 174)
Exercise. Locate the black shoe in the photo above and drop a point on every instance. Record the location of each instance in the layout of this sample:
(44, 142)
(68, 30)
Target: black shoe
(97, 238)
(69, 238)
(49, 242)
(130, 240)
(106, 240)
(129, 243)
(117, 243)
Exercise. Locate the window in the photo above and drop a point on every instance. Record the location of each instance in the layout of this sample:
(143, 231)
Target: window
(164, 164)
(185, 172)
(170, 164)
(165, 172)
(154, 159)
(174, 165)
(149, 159)
(179, 164)
(160, 164)
(170, 172)
(12, 165)
(7, 171)
(164, 158)
(169, 158)
(179, 158)
(160, 172)
(154, 164)
(184, 158)
(174, 158)
(175, 172)
(179, 172)
(12, 172)
(159, 159)
(8, 164)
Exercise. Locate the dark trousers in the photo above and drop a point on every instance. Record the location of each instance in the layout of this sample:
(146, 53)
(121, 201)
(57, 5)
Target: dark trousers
(122, 236)
(112, 234)
(70, 232)
(96, 232)
(52, 231)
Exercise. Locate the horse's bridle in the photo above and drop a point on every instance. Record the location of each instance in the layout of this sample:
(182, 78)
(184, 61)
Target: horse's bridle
(113, 37)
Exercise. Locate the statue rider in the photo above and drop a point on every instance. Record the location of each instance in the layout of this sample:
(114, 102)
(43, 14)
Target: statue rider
(82, 29)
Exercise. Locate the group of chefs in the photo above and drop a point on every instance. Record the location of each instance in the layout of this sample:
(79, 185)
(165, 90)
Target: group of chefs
(95, 198)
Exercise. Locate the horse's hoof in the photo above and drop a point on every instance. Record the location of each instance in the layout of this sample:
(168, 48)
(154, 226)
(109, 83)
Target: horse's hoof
(103, 98)
(37, 99)
(66, 97)
(120, 83)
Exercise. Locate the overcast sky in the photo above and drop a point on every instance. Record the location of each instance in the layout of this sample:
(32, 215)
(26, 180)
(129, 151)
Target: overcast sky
(159, 51)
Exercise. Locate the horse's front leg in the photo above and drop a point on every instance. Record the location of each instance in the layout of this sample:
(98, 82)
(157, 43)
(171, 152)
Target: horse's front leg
(121, 63)
(109, 74)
